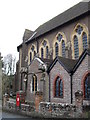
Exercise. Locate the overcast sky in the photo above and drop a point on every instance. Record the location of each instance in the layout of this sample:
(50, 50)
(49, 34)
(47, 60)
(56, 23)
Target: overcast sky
(18, 15)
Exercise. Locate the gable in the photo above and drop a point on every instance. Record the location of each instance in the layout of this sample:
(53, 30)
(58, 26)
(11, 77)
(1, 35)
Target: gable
(34, 66)
(85, 54)
(66, 63)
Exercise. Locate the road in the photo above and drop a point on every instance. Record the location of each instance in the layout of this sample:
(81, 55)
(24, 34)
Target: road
(12, 116)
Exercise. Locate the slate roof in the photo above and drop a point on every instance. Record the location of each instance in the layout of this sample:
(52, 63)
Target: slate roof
(67, 63)
(46, 61)
(70, 14)
(70, 65)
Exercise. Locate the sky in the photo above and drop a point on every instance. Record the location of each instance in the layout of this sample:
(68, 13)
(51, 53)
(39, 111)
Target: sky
(18, 15)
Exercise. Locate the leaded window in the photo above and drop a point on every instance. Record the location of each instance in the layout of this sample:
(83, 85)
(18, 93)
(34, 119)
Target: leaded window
(63, 48)
(30, 56)
(76, 48)
(46, 51)
(56, 49)
(34, 53)
(42, 52)
(87, 87)
(79, 29)
(58, 87)
(84, 39)
(59, 37)
(34, 83)
(44, 43)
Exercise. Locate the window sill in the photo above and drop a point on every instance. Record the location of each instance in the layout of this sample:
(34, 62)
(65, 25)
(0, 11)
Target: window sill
(58, 97)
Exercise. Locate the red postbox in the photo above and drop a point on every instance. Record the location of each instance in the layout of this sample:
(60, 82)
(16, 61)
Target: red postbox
(17, 100)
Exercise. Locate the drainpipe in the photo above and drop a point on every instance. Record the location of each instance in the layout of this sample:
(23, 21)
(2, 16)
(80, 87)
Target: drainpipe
(49, 86)
(71, 89)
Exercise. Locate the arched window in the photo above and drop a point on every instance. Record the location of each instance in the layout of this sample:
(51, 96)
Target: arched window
(58, 87)
(76, 48)
(41, 52)
(84, 39)
(30, 56)
(34, 53)
(87, 87)
(63, 48)
(46, 51)
(56, 49)
(34, 83)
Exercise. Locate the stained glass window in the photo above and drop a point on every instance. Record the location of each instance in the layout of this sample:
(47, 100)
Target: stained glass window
(30, 56)
(76, 48)
(46, 51)
(79, 29)
(61, 88)
(44, 43)
(42, 53)
(87, 87)
(84, 39)
(34, 53)
(32, 48)
(56, 49)
(58, 87)
(59, 37)
(63, 48)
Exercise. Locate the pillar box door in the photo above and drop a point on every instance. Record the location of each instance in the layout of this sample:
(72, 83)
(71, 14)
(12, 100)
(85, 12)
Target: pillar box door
(38, 99)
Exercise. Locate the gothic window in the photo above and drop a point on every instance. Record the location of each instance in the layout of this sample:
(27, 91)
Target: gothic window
(79, 29)
(30, 56)
(76, 48)
(56, 49)
(84, 39)
(58, 87)
(46, 51)
(63, 48)
(59, 37)
(34, 53)
(34, 83)
(87, 87)
(44, 43)
(42, 53)
(32, 48)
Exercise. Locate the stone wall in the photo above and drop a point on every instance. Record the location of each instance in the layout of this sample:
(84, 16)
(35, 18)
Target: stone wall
(78, 78)
(46, 110)
(58, 70)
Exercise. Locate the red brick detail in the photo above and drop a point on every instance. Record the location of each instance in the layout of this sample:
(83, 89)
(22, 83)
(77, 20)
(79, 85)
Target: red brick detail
(83, 81)
(54, 84)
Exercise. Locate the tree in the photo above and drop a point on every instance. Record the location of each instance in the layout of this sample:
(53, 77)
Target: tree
(9, 64)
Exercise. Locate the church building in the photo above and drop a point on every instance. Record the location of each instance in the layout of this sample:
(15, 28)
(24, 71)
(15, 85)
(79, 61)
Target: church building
(54, 60)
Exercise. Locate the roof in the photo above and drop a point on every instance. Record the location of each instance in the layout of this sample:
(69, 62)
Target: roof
(67, 63)
(70, 14)
(70, 65)
(46, 61)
